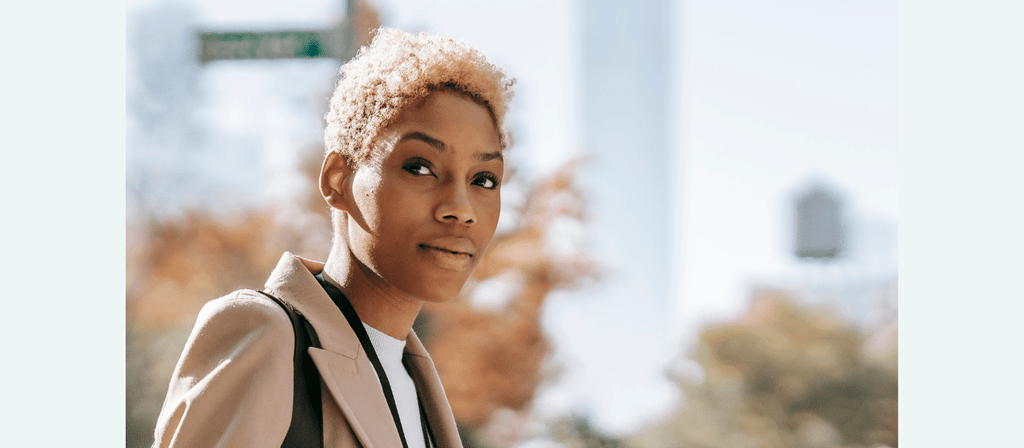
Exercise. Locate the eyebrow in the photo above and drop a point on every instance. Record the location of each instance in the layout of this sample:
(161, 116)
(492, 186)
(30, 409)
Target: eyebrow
(441, 147)
(488, 156)
(437, 144)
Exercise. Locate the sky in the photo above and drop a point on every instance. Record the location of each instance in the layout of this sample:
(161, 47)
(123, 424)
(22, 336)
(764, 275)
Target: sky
(765, 98)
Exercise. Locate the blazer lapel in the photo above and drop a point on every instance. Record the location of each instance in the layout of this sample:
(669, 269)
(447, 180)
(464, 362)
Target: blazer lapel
(354, 386)
(428, 386)
(342, 363)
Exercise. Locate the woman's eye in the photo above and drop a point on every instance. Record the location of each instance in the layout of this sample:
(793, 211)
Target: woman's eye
(487, 181)
(418, 168)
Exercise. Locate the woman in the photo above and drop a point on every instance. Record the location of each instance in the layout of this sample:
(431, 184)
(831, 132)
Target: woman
(412, 173)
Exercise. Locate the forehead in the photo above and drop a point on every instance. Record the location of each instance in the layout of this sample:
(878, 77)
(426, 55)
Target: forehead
(445, 120)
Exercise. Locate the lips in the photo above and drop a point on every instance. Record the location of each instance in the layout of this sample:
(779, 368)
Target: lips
(451, 253)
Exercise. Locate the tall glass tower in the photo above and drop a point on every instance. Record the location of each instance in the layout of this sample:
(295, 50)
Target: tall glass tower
(626, 138)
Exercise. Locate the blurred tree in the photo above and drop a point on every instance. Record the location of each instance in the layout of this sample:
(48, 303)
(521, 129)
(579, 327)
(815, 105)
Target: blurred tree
(576, 432)
(782, 376)
(190, 261)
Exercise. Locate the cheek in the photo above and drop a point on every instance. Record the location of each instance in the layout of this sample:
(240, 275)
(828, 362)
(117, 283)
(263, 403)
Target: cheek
(366, 193)
(401, 218)
(490, 211)
(397, 207)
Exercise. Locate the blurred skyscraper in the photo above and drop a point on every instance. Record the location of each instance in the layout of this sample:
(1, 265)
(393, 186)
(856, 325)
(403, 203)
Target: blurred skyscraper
(625, 118)
(625, 135)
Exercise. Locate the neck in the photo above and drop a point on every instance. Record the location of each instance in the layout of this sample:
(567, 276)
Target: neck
(378, 304)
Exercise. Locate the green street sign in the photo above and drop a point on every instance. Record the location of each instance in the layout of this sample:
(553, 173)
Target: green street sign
(272, 45)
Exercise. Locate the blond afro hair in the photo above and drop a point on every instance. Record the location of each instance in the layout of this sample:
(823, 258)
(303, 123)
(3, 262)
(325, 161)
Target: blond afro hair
(397, 69)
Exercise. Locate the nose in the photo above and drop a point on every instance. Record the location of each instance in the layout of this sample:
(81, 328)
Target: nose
(455, 207)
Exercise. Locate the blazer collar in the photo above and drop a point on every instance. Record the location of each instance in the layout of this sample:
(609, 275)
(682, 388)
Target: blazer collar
(293, 281)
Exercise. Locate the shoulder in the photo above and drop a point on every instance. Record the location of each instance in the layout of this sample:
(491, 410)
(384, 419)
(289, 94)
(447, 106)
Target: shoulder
(242, 324)
(233, 381)
(244, 302)
(245, 310)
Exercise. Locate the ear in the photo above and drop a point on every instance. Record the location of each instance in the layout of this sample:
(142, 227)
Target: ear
(336, 181)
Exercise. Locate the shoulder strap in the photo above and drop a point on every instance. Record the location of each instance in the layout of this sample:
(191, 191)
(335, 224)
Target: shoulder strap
(306, 429)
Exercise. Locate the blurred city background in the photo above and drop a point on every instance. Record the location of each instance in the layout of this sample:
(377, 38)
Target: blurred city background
(698, 239)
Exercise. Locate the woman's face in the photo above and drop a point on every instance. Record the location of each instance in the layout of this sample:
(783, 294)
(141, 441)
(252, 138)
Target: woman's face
(429, 205)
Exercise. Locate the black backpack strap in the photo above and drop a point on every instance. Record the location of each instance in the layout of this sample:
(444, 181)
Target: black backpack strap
(307, 426)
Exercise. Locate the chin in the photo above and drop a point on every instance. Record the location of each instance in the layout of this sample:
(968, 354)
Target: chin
(440, 291)
(441, 295)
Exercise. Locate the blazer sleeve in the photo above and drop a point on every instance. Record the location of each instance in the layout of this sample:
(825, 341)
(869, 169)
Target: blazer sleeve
(232, 386)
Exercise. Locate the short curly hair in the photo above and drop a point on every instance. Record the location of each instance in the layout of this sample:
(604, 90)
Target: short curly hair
(398, 68)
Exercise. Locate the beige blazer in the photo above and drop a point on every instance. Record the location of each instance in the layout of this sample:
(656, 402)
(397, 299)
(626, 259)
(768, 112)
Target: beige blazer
(232, 386)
